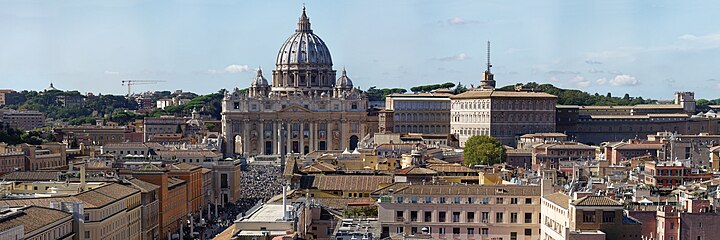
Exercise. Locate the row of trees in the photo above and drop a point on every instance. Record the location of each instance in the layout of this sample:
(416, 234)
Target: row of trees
(577, 97)
(428, 88)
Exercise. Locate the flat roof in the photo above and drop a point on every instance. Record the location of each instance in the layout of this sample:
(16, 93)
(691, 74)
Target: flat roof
(267, 213)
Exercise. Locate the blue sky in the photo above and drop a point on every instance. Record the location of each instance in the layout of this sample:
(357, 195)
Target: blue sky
(647, 48)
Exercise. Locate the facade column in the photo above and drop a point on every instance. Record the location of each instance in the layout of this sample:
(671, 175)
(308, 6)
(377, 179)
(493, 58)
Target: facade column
(312, 136)
(301, 149)
(342, 135)
(329, 136)
(275, 137)
(245, 137)
(288, 138)
(261, 137)
(278, 142)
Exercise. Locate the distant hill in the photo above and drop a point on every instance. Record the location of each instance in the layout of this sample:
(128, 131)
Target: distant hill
(577, 97)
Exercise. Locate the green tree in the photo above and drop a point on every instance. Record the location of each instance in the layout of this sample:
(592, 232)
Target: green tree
(483, 150)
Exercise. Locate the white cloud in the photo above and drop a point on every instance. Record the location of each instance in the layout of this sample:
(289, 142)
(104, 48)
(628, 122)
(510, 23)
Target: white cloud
(458, 57)
(232, 68)
(580, 81)
(709, 37)
(456, 21)
(619, 81)
(111, 72)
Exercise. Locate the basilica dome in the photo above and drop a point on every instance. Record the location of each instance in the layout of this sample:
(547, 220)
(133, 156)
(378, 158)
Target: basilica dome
(304, 47)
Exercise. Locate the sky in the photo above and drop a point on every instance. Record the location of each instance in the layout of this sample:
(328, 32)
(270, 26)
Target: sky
(644, 48)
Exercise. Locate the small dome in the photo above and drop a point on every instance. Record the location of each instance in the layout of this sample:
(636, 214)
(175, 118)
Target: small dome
(51, 88)
(259, 80)
(343, 81)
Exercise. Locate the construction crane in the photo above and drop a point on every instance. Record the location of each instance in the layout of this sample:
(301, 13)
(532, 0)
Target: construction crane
(132, 82)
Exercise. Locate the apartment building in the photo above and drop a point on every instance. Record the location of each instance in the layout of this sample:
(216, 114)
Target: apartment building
(459, 211)
(585, 216)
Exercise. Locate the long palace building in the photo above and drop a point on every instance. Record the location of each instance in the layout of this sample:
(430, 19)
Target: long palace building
(305, 108)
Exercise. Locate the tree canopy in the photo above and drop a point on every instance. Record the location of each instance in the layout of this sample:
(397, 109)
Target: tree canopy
(375, 94)
(577, 97)
(483, 150)
(428, 88)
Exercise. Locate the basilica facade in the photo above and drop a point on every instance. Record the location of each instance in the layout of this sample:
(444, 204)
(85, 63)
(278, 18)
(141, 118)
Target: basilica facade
(305, 107)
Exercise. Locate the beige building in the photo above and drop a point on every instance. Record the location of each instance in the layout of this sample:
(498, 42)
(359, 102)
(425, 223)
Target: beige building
(459, 211)
(585, 217)
(22, 120)
(304, 108)
(35, 223)
(502, 114)
(417, 113)
(112, 211)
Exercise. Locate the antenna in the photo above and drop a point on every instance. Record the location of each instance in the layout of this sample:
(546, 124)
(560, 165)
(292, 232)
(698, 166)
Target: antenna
(488, 57)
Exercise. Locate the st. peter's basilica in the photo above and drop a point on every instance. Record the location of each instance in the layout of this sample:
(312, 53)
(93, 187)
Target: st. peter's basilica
(305, 108)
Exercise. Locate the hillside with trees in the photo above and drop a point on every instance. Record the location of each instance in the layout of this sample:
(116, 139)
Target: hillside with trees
(578, 97)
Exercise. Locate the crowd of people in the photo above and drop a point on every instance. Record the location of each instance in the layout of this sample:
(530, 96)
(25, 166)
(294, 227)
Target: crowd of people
(258, 183)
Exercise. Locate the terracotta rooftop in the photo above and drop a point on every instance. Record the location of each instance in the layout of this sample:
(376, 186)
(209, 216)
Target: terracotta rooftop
(319, 167)
(501, 93)
(534, 135)
(635, 146)
(32, 218)
(94, 198)
(413, 170)
(465, 190)
(182, 166)
(350, 183)
(32, 176)
(558, 198)
(172, 182)
(143, 185)
(596, 201)
(450, 168)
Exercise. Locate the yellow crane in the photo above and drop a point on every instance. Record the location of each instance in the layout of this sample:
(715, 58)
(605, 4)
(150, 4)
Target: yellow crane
(132, 82)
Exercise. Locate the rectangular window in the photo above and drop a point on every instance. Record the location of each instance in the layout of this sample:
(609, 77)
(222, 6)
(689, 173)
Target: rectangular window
(399, 199)
(499, 200)
(441, 200)
(513, 235)
(470, 200)
(441, 231)
(414, 199)
(484, 231)
(608, 216)
(428, 216)
(399, 216)
(456, 231)
(513, 200)
(456, 216)
(428, 200)
(413, 216)
(588, 217)
(528, 200)
(528, 217)
(413, 230)
(485, 216)
(456, 200)
(513, 217)
(471, 231)
(400, 230)
(528, 232)
(441, 217)
(470, 216)
(498, 217)
(485, 201)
